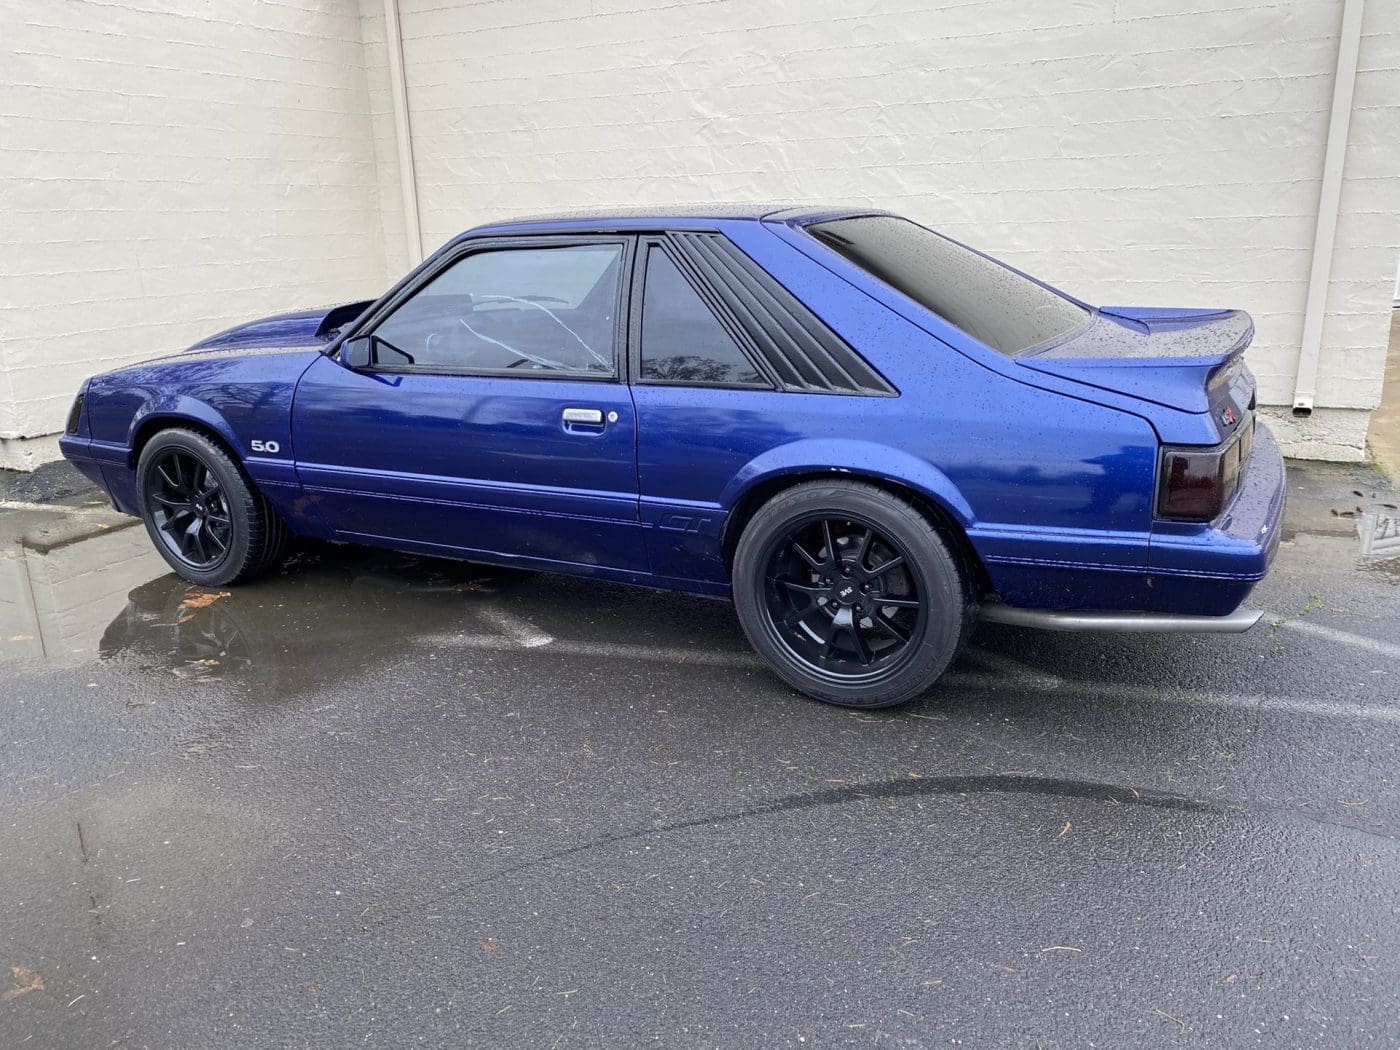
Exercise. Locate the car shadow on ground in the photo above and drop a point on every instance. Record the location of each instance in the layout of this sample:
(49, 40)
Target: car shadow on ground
(335, 612)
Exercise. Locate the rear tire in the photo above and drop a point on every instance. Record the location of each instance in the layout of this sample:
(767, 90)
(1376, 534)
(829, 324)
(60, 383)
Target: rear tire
(850, 594)
(203, 515)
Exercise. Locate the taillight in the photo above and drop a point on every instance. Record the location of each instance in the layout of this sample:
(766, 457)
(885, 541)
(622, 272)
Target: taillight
(75, 415)
(1191, 485)
(1196, 484)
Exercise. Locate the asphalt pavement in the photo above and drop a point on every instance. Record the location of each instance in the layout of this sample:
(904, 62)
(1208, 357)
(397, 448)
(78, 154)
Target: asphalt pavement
(380, 800)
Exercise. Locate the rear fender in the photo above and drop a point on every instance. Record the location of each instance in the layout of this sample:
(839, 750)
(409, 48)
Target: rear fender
(855, 459)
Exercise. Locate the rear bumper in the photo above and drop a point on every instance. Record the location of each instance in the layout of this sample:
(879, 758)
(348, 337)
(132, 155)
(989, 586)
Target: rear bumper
(1209, 570)
(1180, 569)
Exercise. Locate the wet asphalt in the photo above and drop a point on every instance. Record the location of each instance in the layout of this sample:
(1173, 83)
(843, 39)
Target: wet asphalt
(381, 800)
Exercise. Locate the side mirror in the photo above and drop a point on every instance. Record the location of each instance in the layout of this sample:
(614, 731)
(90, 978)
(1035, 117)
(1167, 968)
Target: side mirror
(358, 352)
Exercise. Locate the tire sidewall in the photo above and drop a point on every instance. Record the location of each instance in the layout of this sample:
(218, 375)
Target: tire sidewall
(237, 499)
(935, 570)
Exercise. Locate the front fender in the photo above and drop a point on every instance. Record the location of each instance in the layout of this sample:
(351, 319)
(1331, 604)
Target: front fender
(273, 472)
(171, 409)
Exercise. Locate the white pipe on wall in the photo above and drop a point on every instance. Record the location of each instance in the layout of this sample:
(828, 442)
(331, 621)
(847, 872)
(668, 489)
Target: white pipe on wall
(1328, 204)
(408, 178)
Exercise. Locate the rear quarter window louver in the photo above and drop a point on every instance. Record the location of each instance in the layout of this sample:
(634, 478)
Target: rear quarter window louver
(802, 352)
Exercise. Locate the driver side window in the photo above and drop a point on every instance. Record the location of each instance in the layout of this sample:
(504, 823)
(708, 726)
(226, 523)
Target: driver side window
(519, 311)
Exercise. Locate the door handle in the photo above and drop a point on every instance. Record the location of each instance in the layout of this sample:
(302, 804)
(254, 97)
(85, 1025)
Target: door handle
(588, 416)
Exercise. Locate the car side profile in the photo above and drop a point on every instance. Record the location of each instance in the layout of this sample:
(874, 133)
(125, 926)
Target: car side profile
(867, 434)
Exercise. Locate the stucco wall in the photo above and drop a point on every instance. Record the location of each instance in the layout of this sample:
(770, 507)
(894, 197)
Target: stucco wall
(1133, 152)
(167, 169)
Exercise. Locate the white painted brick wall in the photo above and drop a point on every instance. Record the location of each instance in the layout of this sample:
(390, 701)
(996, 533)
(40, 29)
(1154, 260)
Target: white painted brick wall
(170, 167)
(1133, 152)
(385, 149)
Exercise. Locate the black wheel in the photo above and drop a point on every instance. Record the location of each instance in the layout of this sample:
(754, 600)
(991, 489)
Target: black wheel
(203, 515)
(850, 594)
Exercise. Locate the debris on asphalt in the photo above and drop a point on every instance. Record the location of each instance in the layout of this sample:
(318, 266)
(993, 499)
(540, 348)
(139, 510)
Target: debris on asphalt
(26, 981)
(1175, 1020)
(196, 600)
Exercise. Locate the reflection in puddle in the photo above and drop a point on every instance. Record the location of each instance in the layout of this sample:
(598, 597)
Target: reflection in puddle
(58, 592)
(1379, 529)
(72, 590)
(332, 613)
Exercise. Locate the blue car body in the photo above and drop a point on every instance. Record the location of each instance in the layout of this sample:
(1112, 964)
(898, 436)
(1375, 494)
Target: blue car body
(1046, 464)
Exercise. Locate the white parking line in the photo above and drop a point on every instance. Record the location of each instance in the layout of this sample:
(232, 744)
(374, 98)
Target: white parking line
(1360, 641)
(605, 650)
(1138, 694)
(1005, 665)
(1010, 681)
(522, 632)
(53, 508)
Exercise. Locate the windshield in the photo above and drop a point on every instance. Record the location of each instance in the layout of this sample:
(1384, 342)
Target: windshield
(990, 302)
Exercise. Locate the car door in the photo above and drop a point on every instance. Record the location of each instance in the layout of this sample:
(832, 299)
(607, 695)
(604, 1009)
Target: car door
(482, 411)
(705, 407)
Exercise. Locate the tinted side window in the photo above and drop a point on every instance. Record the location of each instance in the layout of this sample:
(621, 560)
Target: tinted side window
(989, 301)
(682, 340)
(519, 310)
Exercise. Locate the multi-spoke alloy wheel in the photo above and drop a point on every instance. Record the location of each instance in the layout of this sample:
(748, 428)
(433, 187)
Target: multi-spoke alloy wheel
(841, 596)
(850, 593)
(202, 512)
(189, 509)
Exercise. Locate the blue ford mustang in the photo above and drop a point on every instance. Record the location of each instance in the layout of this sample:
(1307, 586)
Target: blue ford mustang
(866, 433)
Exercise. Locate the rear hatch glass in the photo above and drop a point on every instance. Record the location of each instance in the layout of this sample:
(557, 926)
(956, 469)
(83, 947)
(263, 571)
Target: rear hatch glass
(984, 298)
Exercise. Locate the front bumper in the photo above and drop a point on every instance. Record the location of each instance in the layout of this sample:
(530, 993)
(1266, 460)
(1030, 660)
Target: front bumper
(106, 465)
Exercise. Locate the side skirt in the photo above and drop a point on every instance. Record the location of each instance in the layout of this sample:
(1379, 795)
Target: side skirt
(697, 588)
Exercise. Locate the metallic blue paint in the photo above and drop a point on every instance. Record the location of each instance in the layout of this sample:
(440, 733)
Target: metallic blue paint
(471, 466)
(1047, 461)
(301, 328)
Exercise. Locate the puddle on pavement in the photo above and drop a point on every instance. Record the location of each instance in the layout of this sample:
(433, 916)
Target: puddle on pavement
(1342, 503)
(74, 592)
(1377, 530)
(75, 587)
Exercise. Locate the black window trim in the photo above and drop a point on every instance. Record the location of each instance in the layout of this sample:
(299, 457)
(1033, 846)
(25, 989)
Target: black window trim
(745, 289)
(645, 244)
(435, 266)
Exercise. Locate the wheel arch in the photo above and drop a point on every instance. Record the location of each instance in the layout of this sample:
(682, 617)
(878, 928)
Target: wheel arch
(185, 413)
(934, 496)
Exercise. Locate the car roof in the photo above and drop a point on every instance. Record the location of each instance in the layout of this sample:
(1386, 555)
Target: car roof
(682, 216)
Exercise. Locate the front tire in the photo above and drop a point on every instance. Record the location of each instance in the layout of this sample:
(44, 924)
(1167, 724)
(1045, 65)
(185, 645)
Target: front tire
(850, 594)
(204, 517)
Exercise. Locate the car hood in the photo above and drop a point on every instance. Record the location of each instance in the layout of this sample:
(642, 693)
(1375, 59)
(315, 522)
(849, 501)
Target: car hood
(290, 330)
